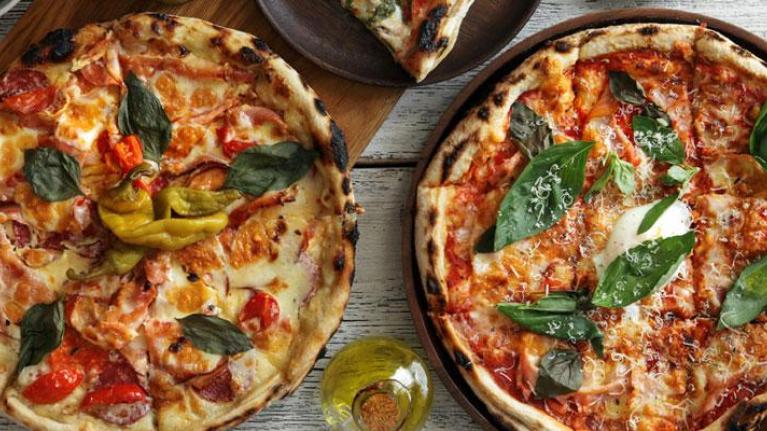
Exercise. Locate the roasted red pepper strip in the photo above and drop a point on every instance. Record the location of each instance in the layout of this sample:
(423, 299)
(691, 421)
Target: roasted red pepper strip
(53, 387)
(125, 393)
(128, 153)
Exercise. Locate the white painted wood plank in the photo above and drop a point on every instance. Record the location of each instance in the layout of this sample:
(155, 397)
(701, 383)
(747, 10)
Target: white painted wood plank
(378, 306)
(403, 134)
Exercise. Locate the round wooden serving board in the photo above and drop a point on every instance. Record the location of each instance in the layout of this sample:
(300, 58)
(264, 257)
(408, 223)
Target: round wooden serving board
(477, 91)
(336, 41)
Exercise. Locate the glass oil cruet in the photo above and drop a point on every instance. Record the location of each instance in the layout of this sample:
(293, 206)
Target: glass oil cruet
(376, 384)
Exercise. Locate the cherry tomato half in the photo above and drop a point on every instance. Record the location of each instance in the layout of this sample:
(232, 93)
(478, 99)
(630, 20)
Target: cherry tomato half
(261, 306)
(53, 387)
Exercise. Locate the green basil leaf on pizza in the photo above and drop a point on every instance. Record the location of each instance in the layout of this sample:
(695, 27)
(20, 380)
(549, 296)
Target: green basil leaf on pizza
(657, 140)
(531, 131)
(657, 210)
(42, 329)
(53, 174)
(264, 168)
(641, 270)
(679, 174)
(214, 335)
(141, 113)
(560, 372)
(757, 142)
(620, 172)
(746, 298)
(543, 192)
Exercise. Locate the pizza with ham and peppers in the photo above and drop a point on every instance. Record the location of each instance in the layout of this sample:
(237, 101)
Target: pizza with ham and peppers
(592, 237)
(177, 227)
(419, 33)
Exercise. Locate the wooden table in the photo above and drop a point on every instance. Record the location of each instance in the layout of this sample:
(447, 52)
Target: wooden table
(381, 179)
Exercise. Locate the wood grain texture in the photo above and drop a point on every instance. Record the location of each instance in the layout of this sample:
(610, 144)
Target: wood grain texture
(378, 305)
(359, 109)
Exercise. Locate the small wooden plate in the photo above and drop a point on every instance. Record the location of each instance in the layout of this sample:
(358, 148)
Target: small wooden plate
(476, 92)
(324, 32)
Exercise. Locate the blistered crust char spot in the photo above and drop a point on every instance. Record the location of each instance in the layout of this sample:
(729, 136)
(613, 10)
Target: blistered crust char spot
(562, 46)
(249, 56)
(649, 30)
(432, 285)
(217, 41)
(55, 47)
(261, 45)
(591, 35)
(483, 113)
(338, 146)
(450, 159)
(427, 38)
(748, 416)
(740, 51)
(339, 262)
(462, 360)
(320, 106)
(162, 19)
(352, 234)
(346, 185)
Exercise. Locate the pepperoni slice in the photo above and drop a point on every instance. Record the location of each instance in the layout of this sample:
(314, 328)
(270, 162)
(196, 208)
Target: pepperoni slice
(121, 404)
(26, 91)
(53, 387)
(215, 387)
(261, 307)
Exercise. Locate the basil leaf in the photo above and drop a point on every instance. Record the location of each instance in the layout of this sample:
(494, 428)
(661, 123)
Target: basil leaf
(639, 271)
(600, 183)
(262, 168)
(546, 188)
(563, 326)
(658, 141)
(214, 335)
(625, 89)
(560, 373)
(384, 10)
(679, 174)
(747, 297)
(757, 142)
(142, 114)
(53, 175)
(622, 174)
(530, 130)
(653, 111)
(555, 302)
(42, 329)
(655, 212)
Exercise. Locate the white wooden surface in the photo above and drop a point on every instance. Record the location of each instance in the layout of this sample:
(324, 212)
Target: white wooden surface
(378, 305)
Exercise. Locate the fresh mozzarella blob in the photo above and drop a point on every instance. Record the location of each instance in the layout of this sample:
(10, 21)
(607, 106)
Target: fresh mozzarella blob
(676, 220)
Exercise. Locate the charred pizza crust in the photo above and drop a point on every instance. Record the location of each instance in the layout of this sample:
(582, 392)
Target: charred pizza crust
(281, 88)
(484, 126)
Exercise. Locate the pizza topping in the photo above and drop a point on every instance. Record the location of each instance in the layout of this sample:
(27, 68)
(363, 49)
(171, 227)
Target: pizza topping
(655, 213)
(560, 373)
(622, 174)
(215, 387)
(142, 114)
(674, 221)
(188, 202)
(757, 142)
(128, 153)
(42, 330)
(747, 297)
(118, 260)
(530, 131)
(53, 387)
(641, 270)
(557, 315)
(120, 404)
(54, 175)
(679, 174)
(385, 9)
(543, 192)
(214, 335)
(260, 169)
(261, 308)
(26, 91)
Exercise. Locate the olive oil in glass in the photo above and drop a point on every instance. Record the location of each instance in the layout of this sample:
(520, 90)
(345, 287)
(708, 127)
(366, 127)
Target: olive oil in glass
(376, 384)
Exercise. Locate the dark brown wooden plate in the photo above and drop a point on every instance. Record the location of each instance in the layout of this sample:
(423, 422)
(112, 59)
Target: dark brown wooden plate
(477, 91)
(332, 38)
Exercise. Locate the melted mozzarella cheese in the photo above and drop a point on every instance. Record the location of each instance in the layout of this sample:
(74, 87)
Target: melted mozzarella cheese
(83, 119)
(676, 220)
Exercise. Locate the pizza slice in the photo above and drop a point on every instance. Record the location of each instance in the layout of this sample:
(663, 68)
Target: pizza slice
(419, 33)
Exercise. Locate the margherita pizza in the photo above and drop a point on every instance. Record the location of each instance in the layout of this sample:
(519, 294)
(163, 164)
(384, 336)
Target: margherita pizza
(592, 238)
(419, 33)
(178, 227)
